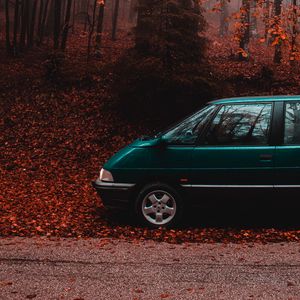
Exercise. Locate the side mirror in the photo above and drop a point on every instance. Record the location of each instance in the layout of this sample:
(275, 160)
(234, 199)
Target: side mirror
(161, 142)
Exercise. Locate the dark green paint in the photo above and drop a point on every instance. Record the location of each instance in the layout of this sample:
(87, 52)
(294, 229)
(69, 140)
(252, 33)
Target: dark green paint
(148, 160)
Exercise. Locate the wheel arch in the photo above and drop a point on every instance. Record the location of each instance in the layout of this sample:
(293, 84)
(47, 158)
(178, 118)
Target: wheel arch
(154, 180)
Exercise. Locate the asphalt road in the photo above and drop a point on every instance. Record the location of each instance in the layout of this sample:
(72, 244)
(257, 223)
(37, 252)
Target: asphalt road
(38, 268)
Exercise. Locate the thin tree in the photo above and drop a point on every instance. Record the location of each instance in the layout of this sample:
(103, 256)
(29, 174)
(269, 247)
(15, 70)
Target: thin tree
(49, 22)
(115, 19)
(41, 30)
(7, 27)
(253, 19)
(267, 19)
(132, 11)
(245, 30)
(40, 18)
(73, 16)
(277, 25)
(91, 30)
(223, 18)
(100, 25)
(63, 11)
(66, 25)
(87, 16)
(57, 18)
(294, 31)
(16, 27)
(24, 22)
(32, 23)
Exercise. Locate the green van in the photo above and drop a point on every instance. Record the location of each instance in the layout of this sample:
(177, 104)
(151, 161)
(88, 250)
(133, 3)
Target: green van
(238, 144)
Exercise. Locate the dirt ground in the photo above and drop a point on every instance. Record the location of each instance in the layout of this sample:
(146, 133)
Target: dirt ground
(42, 268)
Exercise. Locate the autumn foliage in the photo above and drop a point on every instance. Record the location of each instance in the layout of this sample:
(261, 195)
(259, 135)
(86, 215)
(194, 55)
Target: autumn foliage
(54, 140)
(62, 117)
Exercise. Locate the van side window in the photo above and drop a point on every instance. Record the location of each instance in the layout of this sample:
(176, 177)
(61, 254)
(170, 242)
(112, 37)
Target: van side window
(186, 133)
(292, 123)
(241, 124)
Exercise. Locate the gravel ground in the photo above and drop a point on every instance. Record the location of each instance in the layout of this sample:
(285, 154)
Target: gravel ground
(40, 268)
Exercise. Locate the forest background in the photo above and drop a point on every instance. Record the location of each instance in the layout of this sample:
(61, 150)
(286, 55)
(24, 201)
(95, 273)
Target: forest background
(79, 79)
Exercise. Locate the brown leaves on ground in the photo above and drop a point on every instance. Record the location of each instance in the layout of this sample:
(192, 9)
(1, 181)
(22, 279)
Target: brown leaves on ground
(52, 144)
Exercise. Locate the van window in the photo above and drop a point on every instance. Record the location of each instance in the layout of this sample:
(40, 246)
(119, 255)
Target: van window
(241, 124)
(292, 123)
(186, 133)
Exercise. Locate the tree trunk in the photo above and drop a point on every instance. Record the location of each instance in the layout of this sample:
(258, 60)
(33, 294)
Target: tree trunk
(24, 23)
(100, 25)
(294, 32)
(40, 18)
(73, 16)
(16, 28)
(66, 25)
(43, 24)
(32, 24)
(277, 24)
(1, 11)
(245, 30)
(112, 6)
(62, 11)
(45, 15)
(123, 12)
(49, 21)
(132, 11)
(267, 19)
(253, 19)
(91, 31)
(115, 19)
(224, 18)
(56, 29)
(140, 42)
(29, 15)
(7, 27)
(87, 17)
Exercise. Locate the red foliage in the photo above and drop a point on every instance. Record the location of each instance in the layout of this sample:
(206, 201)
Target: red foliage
(52, 144)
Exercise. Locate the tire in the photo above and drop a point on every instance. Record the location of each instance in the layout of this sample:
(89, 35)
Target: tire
(158, 205)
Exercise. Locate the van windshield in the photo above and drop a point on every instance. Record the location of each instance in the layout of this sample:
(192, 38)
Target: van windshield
(187, 131)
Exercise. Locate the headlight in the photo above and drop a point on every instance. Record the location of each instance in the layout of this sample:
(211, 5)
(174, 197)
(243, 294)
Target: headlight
(106, 176)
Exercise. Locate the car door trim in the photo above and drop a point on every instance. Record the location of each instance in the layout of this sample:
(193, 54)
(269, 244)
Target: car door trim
(287, 186)
(226, 186)
(238, 186)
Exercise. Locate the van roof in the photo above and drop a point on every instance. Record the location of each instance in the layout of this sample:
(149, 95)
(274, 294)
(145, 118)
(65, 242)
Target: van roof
(256, 99)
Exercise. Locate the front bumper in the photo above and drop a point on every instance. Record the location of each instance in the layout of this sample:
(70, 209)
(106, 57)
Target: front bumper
(114, 195)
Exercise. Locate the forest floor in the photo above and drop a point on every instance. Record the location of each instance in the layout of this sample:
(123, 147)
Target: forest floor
(55, 136)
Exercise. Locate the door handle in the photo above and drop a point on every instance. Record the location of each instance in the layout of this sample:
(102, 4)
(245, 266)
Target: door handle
(266, 157)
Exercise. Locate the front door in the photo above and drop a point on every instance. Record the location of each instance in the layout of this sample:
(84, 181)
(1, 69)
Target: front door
(175, 159)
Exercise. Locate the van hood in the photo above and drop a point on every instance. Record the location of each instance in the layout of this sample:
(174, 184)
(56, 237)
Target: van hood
(131, 155)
